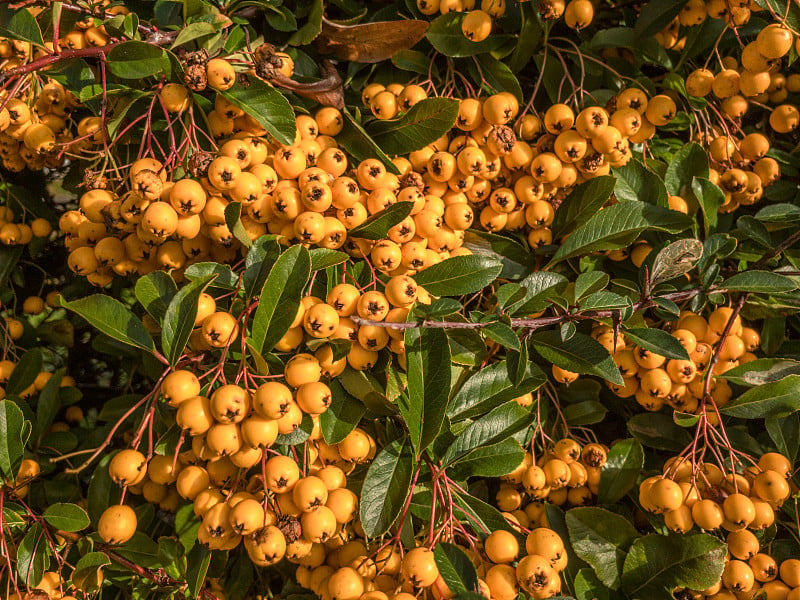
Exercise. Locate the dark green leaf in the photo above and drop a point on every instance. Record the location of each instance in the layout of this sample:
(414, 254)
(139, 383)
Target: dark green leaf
(12, 444)
(322, 258)
(602, 539)
(428, 367)
(68, 517)
(180, 318)
(459, 275)
(658, 342)
(502, 334)
(490, 461)
(582, 203)
(193, 31)
(759, 282)
(497, 425)
(20, 24)
(785, 434)
(689, 162)
(445, 36)
(775, 399)
(755, 230)
(517, 259)
(138, 60)
(488, 517)
(87, 574)
(657, 564)
(584, 413)
(197, 561)
(411, 60)
(154, 291)
(657, 430)
(25, 372)
(588, 283)
(32, 556)
(223, 276)
(425, 122)
(112, 318)
(9, 256)
(579, 354)
(530, 35)
(622, 469)
(490, 387)
(779, 213)
(378, 225)
(49, 402)
(456, 568)
(233, 213)
(103, 491)
(386, 487)
(359, 144)
(280, 297)
(517, 363)
(498, 76)
(589, 587)
(342, 416)
(267, 106)
(258, 262)
(710, 197)
(637, 182)
(312, 28)
(618, 226)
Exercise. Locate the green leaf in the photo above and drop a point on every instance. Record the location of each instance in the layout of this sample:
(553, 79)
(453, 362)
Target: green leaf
(490, 387)
(280, 297)
(425, 122)
(530, 35)
(233, 213)
(502, 334)
(193, 31)
(579, 354)
(493, 427)
(498, 76)
(657, 564)
(20, 24)
(658, 342)
(489, 461)
(267, 106)
(556, 520)
(49, 402)
(541, 286)
(68, 517)
(775, 399)
(517, 259)
(198, 560)
(258, 262)
(386, 487)
(112, 318)
(589, 587)
(759, 282)
(761, 371)
(138, 60)
(359, 144)
(428, 366)
(582, 204)
(322, 258)
(588, 283)
(378, 225)
(180, 318)
(675, 259)
(342, 416)
(485, 515)
(456, 568)
(312, 28)
(25, 372)
(411, 60)
(618, 226)
(710, 197)
(445, 36)
(637, 182)
(689, 162)
(584, 413)
(32, 556)
(779, 213)
(755, 230)
(622, 469)
(12, 443)
(785, 434)
(87, 574)
(602, 539)
(459, 275)
(103, 491)
(657, 430)
(222, 276)
(154, 291)
(9, 256)
(655, 16)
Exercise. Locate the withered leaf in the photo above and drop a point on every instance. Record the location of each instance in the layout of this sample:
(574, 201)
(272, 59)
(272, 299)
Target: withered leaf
(369, 42)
